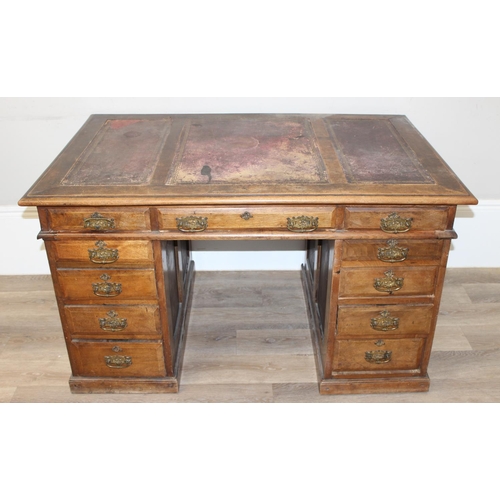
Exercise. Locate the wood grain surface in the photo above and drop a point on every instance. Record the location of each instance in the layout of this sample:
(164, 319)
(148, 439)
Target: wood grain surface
(145, 160)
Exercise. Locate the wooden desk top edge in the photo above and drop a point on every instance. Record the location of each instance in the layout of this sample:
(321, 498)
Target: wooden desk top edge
(439, 183)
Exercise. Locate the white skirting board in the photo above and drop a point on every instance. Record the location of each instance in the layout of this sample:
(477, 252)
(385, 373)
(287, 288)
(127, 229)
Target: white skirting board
(477, 245)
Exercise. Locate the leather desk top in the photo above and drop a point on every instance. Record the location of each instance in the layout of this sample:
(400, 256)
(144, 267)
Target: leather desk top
(231, 159)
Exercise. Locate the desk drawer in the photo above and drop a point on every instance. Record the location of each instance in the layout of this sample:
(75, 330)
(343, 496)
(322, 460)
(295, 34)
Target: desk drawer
(103, 253)
(380, 281)
(117, 359)
(394, 251)
(296, 218)
(386, 320)
(378, 355)
(110, 286)
(113, 322)
(397, 219)
(99, 219)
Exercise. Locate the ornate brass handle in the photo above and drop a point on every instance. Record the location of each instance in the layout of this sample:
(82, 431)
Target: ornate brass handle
(118, 361)
(385, 323)
(106, 289)
(378, 357)
(302, 224)
(392, 253)
(112, 323)
(388, 284)
(246, 215)
(192, 224)
(393, 223)
(103, 255)
(97, 222)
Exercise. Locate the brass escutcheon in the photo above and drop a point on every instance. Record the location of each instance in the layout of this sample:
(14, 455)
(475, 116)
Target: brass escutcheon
(103, 255)
(393, 223)
(246, 215)
(392, 253)
(192, 224)
(106, 289)
(98, 222)
(378, 357)
(302, 224)
(112, 323)
(388, 284)
(118, 361)
(385, 323)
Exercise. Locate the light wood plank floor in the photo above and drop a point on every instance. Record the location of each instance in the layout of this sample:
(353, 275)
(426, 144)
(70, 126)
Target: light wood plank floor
(248, 341)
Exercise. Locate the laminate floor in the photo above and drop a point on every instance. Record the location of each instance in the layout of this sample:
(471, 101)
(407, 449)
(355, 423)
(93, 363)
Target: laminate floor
(248, 341)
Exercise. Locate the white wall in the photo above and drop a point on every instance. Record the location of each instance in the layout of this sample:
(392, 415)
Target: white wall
(465, 132)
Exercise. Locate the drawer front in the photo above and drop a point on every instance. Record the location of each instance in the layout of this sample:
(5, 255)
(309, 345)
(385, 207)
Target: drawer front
(297, 219)
(393, 251)
(99, 220)
(103, 253)
(118, 322)
(364, 321)
(395, 220)
(117, 359)
(109, 286)
(381, 281)
(378, 355)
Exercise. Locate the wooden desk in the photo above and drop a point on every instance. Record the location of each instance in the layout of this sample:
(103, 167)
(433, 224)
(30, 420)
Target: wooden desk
(376, 204)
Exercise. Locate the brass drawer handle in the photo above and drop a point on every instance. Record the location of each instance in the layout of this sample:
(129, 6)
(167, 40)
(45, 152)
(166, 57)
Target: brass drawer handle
(192, 224)
(112, 323)
(378, 357)
(393, 223)
(392, 253)
(385, 323)
(103, 255)
(106, 289)
(98, 222)
(118, 361)
(388, 284)
(302, 224)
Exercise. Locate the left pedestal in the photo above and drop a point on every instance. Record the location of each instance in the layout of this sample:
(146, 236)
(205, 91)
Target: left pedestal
(123, 302)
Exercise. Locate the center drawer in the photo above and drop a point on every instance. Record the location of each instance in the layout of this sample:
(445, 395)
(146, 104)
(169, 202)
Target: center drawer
(293, 218)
